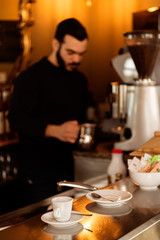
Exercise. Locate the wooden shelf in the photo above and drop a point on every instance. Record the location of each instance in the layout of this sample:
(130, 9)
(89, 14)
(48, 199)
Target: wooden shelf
(7, 142)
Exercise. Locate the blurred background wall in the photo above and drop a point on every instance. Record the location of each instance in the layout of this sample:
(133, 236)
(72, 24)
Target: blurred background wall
(105, 21)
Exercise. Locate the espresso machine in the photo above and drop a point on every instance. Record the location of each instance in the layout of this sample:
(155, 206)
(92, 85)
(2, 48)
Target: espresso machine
(143, 114)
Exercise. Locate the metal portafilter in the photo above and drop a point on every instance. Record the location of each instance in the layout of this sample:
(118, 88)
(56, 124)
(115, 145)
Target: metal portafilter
(79, 185)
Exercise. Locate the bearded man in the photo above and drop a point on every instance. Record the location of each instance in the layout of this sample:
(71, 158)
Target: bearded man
(48, 104)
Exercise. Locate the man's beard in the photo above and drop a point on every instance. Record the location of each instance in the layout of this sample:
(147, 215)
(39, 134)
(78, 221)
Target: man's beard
(62, 64)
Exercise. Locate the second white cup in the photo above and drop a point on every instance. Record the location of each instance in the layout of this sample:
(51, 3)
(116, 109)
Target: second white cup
(62, 208)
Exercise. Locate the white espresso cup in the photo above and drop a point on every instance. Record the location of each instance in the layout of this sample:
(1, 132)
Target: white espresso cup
(62, 207)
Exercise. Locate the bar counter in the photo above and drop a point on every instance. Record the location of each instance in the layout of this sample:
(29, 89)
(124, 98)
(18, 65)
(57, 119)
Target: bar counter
(139, 218)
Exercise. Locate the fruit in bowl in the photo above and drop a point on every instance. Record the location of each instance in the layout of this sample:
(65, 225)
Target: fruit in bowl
(145, 172)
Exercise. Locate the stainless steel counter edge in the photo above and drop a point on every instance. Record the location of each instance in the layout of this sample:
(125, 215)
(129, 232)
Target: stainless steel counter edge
(153, 223)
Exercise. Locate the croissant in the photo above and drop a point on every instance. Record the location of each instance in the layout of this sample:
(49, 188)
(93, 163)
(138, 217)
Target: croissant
(156, 168)
(146, 168)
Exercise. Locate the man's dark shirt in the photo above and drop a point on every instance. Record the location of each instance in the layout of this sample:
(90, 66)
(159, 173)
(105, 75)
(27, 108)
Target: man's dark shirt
(45, 94)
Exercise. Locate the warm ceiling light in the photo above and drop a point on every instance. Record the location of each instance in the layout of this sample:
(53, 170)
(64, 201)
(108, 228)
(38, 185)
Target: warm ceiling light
(152, 9)
(89, 3)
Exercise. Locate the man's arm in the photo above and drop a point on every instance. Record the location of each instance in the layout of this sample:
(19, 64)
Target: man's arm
(66, 132)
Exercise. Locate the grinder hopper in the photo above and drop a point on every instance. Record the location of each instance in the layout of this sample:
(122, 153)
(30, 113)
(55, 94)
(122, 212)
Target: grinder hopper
(144, 117)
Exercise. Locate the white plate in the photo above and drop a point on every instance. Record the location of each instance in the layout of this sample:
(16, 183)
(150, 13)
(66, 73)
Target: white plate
(48, 218)
(112, 194)
(73, 230)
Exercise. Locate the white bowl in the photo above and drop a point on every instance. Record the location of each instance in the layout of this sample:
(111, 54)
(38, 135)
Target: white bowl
(147, 181)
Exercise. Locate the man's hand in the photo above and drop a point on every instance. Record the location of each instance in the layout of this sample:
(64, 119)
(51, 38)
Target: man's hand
(66, 132)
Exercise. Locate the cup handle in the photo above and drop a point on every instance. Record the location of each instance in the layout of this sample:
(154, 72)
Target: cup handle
(57, 213)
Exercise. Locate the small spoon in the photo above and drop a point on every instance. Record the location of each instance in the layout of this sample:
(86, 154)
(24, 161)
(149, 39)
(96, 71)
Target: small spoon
(84, 214)
(97, 196)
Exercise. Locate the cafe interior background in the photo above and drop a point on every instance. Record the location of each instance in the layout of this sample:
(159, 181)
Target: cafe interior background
(105, 21)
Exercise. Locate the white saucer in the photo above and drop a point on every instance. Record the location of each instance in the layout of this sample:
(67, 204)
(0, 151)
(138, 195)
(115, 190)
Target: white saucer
(73, 230)
(48, 218)
(109, 211)
(112, 194)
